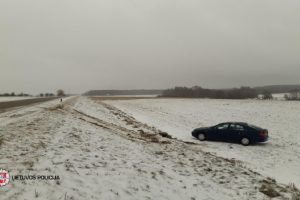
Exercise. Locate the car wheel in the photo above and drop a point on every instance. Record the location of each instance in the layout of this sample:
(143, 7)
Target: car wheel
(201, 136)
(245, 141)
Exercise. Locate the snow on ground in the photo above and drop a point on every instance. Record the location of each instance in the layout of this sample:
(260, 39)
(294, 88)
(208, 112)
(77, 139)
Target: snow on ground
(103, 159)
(97, 110)
(5, 99)
(279, 158)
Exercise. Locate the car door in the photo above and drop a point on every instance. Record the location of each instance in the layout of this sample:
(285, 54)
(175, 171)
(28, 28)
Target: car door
(220, 131)
(235, 132)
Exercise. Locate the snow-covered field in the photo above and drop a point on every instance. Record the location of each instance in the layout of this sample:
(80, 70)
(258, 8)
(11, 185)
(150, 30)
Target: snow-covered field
(5, 99)
(279, 158)
(100, 152)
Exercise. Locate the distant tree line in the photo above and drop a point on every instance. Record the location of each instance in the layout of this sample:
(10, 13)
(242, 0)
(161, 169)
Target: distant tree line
(199, 92)
(293, 95)
(12, 94)
(266, 94)
(235, 93)
(59, 93)
(47, 95)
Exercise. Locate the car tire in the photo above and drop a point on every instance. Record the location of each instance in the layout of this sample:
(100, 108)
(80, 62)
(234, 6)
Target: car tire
(201, 136)
(245, 141)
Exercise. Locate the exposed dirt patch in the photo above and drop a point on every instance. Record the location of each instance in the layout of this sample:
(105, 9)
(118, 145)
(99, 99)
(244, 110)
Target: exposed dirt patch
(165, 134)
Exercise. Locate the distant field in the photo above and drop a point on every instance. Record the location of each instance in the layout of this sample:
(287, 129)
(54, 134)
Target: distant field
(123, 97)
(279, 158)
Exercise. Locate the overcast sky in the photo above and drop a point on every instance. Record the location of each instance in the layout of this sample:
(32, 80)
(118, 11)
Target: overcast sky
(78, 45)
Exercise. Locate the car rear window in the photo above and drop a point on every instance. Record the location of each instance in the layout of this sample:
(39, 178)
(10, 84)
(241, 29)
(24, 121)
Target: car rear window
(253, 126)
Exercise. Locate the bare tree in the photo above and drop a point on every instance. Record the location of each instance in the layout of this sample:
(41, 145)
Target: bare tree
(293, 96)
(267, 95)
(60, 93)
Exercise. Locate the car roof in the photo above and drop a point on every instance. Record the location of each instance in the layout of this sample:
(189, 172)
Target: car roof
(242, 123)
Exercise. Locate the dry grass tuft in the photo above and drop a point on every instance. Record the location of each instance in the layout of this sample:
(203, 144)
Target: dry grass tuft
(269, 191)
(29, 164)
(1, 141)
(166, 135)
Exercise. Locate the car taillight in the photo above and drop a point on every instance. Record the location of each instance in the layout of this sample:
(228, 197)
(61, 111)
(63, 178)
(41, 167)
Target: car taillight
(263, 133)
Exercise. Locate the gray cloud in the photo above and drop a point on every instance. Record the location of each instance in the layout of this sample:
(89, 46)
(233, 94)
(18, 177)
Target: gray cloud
(80, 45)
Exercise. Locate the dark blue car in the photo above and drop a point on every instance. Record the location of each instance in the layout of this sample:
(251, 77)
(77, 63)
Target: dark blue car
(233, 132)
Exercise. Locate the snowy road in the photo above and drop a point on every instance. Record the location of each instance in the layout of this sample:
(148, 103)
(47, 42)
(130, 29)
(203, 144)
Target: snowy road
(5, 99)
(9, 103)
